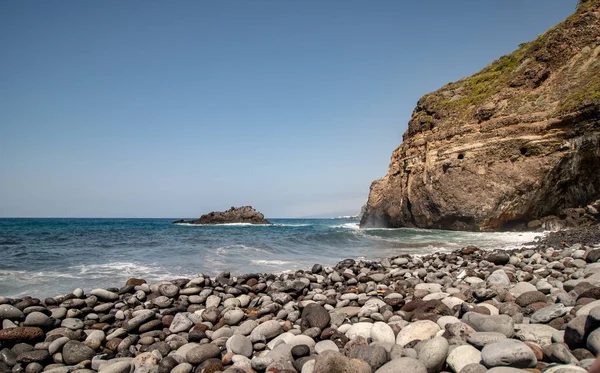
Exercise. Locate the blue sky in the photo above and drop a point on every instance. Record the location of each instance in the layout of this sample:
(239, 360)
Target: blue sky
(173, 109)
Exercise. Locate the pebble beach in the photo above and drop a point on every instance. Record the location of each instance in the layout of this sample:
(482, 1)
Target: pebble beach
(467, 311)
(130, 128)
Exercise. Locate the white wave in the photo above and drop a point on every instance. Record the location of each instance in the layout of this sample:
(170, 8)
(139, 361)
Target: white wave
(431, 249)
(362, 234)
(442, 240)
(113, 268)
(497, 240)
(391, 229)
(53, 274)
(292, 225)
(237, 224)
(214, 263)
(223, 250)
(353, 226)
(7, 272)
(270, 262)
(518, 236)
(116, 272)
(224, 225)
(31, 275)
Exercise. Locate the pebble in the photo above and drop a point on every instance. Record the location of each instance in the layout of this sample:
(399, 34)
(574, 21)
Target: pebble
(202, 352)
(419, 330)
(240, 344)
(32, 356)
(452, 311)
(266, 330)
(474, 368)
(593, 342)
(403, 364)
(549, 313)
(461, 356)
(432, 353)
(530, 297)
(74, 352)
(182, 368)
(509, 352)
(38, 319)
(233, 317)
(538, 333)
(116, 367)
(105, 295)
(521, 287)
(481, 339)
(586, 309)
(360, 329)
(382, 332)
(566, 368)
(10, 312)
(373, 355)
(315, 315)
(180, 323)
(57, 345)
(559, 353)
(335, 362)
(326, 345)
(483, 323)
(168, 290)
(21, 333)
(72, 323)
(498, 278)
(261, 363)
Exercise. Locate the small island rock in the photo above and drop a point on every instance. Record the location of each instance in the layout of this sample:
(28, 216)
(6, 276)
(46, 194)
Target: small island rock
(235, 215)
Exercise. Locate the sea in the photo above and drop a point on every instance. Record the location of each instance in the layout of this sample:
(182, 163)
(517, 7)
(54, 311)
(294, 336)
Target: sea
(50, 257)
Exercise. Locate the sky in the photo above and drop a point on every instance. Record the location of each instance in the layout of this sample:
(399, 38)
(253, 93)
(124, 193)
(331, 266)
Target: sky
(173, 109)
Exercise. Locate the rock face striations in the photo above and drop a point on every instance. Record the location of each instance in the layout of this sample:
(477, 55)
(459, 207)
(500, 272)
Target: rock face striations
(518, 141)
(245, 214)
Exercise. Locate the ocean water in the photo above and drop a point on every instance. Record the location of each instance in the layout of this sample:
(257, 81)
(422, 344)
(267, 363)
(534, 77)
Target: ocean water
(48, 257)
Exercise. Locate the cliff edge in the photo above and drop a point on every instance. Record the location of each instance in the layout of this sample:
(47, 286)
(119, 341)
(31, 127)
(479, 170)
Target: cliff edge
(515, 142)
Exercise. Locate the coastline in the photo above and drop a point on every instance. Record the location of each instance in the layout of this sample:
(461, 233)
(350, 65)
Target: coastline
(46, 257)
(430, 312)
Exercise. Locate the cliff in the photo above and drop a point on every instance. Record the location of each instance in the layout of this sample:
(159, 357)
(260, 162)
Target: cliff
(235, 215)
(515, 142)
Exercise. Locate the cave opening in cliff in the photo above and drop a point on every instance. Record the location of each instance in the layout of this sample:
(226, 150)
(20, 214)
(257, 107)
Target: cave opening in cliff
(523, 151)
(461, 156)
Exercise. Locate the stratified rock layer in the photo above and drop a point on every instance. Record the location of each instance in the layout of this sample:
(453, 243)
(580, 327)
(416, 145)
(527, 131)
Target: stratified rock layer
(245, 214)
(518, 141)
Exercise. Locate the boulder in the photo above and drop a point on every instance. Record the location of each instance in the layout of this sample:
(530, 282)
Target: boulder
(509, 353)
(74, 352)
(403, 364)
(315, 315)
(418, 330)
(485, 323)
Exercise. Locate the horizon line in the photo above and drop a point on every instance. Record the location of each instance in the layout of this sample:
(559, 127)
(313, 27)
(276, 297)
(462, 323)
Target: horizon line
(130, 217)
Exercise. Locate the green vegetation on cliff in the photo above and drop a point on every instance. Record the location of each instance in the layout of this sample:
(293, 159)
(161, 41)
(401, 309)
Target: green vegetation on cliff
(558, 73)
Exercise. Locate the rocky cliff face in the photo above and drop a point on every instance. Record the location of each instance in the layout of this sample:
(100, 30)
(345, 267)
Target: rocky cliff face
(517, 141)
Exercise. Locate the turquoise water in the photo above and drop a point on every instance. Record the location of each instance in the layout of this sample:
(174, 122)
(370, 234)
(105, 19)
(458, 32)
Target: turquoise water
(47, 257)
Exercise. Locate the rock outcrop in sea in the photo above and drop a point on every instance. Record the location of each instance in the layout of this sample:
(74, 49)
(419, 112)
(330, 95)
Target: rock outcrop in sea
(244, 214)
(516, 142)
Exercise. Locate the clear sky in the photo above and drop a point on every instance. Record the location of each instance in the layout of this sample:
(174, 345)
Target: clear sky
(173, 109)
